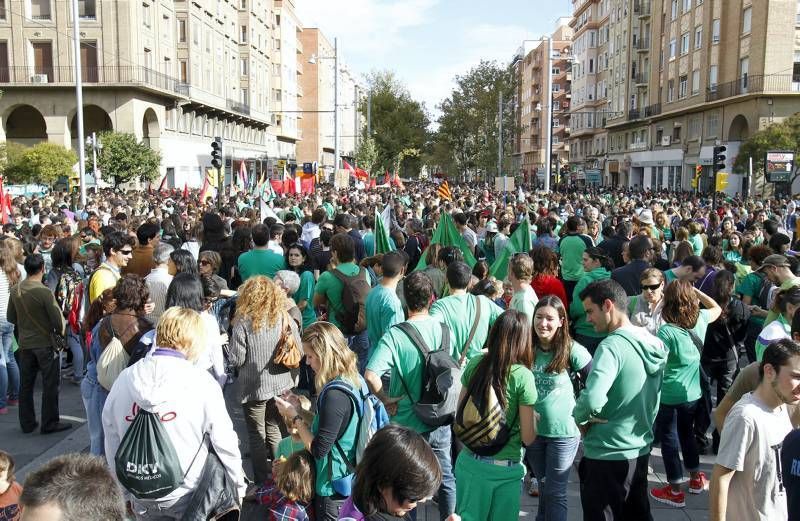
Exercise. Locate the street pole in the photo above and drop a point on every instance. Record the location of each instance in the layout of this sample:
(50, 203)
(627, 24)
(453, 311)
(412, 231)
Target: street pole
(549, 113)
(749, 178)
(335, 107)
(369, 113)
(94, 156)
(76, 48)
(500, 134)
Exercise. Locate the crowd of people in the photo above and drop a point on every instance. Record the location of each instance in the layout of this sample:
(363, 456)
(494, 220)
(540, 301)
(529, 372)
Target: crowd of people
(499, 340)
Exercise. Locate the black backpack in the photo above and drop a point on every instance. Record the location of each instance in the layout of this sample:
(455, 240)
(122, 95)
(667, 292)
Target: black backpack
(762, 298)
(354, 298)
(441, 379)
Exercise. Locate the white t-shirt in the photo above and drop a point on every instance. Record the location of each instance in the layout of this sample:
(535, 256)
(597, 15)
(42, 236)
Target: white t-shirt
(750, 444)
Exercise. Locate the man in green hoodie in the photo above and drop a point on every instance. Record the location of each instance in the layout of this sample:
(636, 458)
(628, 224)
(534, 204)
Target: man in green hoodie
(617, 409)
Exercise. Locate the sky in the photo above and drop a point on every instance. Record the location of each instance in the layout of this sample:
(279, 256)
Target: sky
(428, 42)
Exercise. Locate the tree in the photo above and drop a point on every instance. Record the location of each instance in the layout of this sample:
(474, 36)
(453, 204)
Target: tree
(367, 155)
(124, 159)
(778, 136)
(468, 123)
(398, 121)
(42, 163)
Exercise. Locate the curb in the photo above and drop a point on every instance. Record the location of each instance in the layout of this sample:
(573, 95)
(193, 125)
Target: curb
(76, 441)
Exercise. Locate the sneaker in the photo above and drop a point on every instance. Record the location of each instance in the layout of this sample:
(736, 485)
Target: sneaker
(12, 402)
(533, 488)
(3, 410)
(697, 486)
(667, 496)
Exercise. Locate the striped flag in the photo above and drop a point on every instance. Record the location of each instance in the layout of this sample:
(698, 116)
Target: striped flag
(383, 243)
(444, 191)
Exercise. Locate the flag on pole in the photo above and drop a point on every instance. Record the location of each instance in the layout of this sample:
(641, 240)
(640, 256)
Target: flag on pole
(185, 190)
(163, 184)
(349, 167)
(444, 191)
(519, 242)
(5, 206)
(383, 242)
(447, 234)
(243, 174)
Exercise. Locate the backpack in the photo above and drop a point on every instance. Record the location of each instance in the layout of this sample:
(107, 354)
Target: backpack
(354, 297)
(762, 298)
(146, 461)
(441, 379)
(113, 359)
(372, 417)
(480, 422)
(69, 297)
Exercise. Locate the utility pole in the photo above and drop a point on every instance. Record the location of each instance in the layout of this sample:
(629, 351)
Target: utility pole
(549, 65)
(500, 134)
(335, 106)
(76, 48)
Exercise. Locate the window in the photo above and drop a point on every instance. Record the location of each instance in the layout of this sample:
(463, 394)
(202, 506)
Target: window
(556, 71)
(698, 37)
(676, 133)
(276, 94)
(687, 4)
(183, 71)
(715, 31)
(243, 62)
(670, 91)
(672, 48)
(556, 87)
(196, 33)
(694, 128)
(243, 4)
(556, 105)
(659, 135)
(182, 31)
(747, 20)
(40, 9)
(682, 86)
(674, 9)
(86, 9)
(744, 69)
(243, 37)
(713, 124)
(712, 78)
(2, 9)
(695, 82)
(146, 15)
(684, 43)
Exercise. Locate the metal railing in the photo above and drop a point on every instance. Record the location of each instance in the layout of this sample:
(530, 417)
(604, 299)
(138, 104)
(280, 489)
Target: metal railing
(641, 79)
(238, 106)
(634, 114)
(130, 75)
(643, 44)
(652, 110)
(641, 8)
(775, 83)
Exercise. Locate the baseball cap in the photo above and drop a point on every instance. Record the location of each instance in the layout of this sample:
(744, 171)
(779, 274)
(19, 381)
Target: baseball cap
(777, 260)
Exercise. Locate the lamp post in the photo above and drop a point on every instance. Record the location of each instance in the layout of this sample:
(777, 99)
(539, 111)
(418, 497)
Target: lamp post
(76, 49)
(96, 145)
(335, 58)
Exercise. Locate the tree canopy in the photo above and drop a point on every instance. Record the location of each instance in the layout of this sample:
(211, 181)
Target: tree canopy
(42, 163)
(122, 158)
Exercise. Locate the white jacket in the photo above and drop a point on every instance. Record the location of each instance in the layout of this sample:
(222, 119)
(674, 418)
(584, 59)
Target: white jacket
(189, 402)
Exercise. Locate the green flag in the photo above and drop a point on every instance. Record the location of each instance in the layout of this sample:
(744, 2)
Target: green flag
(519, 242)
(383, 243)
(447, 234)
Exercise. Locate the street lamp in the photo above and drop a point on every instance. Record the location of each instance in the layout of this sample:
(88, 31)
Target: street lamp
(313, 60)
(76, 50)
(96, 145)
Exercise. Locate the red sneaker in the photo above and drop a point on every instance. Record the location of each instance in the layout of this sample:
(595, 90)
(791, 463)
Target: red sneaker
(697, 486)
(667, 496)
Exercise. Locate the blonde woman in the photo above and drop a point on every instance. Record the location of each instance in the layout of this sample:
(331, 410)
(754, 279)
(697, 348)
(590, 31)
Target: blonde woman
(257, 326)
(332, 435)
(190, 404)
(10, 275)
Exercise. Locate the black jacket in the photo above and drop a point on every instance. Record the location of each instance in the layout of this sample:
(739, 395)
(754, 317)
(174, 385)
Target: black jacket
(724, 334)
(628, 276)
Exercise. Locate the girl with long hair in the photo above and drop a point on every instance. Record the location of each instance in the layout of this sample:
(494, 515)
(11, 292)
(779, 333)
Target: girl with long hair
(297, 260)
(685, 327)
(732, 247)
(597, 265)
(10, 275)
(488, 487)
(555, 357)
(545, 273)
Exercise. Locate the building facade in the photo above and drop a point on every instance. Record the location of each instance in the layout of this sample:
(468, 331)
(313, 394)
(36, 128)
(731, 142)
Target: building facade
(316, 83)
(173, 73)
(287, 71)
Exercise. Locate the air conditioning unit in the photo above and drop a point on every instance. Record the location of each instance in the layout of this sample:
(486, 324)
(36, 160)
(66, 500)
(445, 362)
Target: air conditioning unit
(39, 78)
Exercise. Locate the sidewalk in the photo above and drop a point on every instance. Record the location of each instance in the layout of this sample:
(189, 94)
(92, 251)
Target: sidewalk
(32, 450)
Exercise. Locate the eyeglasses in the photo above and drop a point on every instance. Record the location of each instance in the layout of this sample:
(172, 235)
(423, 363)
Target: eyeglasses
(328, 229)
(204, 263)
(126, 252)
(651, 287)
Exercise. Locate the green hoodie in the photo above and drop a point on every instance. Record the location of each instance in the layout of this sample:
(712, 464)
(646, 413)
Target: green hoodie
(623, 388)
(576, 312)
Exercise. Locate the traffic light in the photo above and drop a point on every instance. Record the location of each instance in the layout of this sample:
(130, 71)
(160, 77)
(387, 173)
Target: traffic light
(719, 157)
(722, 181)
(698, 172)
(216, 153)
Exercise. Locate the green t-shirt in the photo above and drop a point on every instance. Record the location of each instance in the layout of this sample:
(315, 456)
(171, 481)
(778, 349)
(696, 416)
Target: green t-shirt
(682, 372)
(331, 287)
(669, 276)
(577, 313)
(306, 292)
(751, 287)
(369, 243)
(571, 248)
(333, 466)
(697, 244)
(458, 312)
(788, 284)
(260, 262)
(396, 353)
(556, 395)
(383, 311)
(520, 390)
(525, 301)
(287, 446)
(775, 330)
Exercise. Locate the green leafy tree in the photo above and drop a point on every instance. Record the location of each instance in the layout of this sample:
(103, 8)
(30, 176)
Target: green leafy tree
(42, 163)
(469, 117)
(367, 155)
(14, 169)
(124, 159)
(398, 122)
(778, 136)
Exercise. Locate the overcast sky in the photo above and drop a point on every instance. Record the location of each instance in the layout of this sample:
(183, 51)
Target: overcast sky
(427, 42)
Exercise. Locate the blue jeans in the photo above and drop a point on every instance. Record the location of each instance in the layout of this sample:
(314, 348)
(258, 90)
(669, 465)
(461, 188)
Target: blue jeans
(359, 344)
(551, 460)
(675, 430)
(94, 398)
(9, 370)
(76, 348)
(440, 440)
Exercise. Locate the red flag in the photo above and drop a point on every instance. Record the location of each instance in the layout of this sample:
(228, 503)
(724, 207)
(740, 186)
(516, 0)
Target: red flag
(361, 174)
(372, 183)
(5, 208)
(277, 186)
(185, 190)
(347, 166)
(163, 184)
(386, 178)
(307, 185)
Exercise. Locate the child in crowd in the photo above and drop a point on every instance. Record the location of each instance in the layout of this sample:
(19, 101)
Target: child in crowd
(10, 490)
(290, 495)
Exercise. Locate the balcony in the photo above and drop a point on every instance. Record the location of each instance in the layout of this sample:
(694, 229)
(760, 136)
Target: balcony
(112, 74)
(652, 110)
(641, 80)
(643, 45)
(238, 106)
(773, 84)
(299, 46)
(634, 114)
(641, 8)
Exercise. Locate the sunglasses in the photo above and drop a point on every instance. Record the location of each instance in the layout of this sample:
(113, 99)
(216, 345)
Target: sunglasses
(126, 252)
(204, 263)
(328, 229)
(651, 287)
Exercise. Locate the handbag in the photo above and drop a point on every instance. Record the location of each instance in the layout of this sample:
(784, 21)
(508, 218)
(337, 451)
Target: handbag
(57, 340)
(287, 352)
(112, 361)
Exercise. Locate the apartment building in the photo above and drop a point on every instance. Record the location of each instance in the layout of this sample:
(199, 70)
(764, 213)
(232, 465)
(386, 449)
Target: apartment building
(173, 73)
(531, 63)
(705, 72)
(287, 71)
(316, 83)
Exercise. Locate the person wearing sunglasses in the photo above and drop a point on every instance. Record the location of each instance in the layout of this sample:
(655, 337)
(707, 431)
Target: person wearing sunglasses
(644, 309)
(118, 249)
